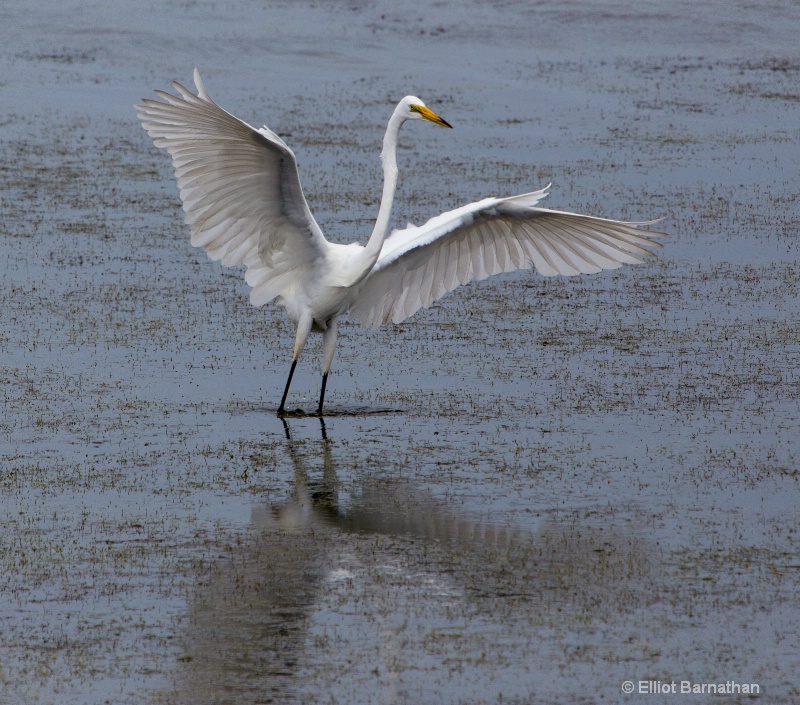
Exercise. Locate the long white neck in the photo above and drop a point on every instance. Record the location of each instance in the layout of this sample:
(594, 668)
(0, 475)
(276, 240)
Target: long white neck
(389, 159)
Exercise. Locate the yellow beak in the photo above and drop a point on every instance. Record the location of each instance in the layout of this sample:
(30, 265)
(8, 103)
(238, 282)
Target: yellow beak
(431, 116)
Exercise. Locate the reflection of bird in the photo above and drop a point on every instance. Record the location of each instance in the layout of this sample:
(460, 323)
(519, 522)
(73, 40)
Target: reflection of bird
(373, 579)
(242, 195)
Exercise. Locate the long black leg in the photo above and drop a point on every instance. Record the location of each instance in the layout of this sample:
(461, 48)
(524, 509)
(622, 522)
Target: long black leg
(286, 390)
(322, 393)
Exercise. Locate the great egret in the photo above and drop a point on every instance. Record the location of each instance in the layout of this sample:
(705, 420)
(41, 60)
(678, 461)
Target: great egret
(241, 192)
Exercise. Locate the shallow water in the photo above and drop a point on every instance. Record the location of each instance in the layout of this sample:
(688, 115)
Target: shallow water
(532, 492)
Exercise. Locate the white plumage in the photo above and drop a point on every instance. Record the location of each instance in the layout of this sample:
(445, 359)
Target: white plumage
(244, 203)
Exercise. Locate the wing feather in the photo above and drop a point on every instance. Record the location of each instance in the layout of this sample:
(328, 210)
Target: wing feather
(239, 186)
(417, 266)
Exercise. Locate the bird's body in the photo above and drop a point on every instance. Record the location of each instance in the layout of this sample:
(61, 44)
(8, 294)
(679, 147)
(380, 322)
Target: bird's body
(241, 192)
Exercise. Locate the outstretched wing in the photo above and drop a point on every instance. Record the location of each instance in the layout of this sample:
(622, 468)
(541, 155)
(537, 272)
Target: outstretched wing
(239, 186)
(417, 266)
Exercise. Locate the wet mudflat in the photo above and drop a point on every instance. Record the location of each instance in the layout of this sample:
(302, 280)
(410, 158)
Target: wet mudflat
(530, 493)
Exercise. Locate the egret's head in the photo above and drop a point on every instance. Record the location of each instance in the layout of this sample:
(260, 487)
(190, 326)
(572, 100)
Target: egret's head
(415, 109)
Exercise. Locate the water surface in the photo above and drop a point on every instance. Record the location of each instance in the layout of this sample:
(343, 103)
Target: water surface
(532, 492)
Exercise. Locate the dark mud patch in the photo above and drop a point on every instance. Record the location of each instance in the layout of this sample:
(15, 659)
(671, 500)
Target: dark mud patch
(332, 411)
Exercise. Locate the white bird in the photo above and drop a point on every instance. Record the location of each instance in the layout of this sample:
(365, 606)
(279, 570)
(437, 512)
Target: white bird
(241, 191)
